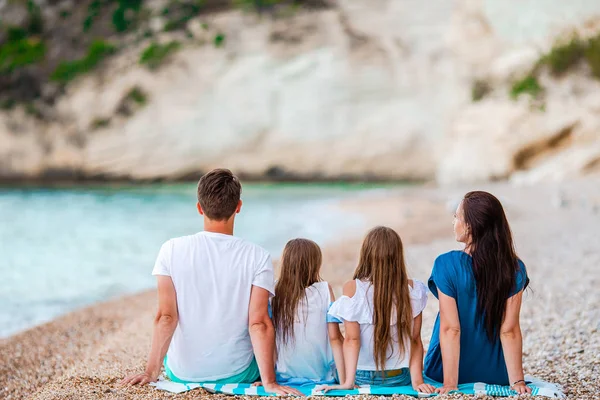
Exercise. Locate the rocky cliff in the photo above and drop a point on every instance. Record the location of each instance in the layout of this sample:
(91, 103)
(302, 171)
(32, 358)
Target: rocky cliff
(386, 89)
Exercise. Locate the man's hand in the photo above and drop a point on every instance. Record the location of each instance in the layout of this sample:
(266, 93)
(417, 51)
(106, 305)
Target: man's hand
(281, 390)
(140, 379)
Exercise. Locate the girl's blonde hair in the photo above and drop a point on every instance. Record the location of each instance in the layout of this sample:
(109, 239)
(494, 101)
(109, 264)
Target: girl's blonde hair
(382, 264)
(300, 267)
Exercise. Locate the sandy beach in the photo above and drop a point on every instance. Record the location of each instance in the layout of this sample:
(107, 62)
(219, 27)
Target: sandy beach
(84, 354)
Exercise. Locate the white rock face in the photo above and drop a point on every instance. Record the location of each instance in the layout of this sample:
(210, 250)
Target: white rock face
(370, 88)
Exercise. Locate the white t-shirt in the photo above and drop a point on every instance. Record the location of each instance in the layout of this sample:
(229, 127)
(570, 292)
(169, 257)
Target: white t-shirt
(308, 355)
(359, 308)
(213, 275)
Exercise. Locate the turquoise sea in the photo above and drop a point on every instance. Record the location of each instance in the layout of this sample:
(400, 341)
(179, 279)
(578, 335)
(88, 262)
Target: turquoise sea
(65, 248)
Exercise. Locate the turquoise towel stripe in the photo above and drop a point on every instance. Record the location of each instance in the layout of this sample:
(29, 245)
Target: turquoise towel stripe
(490, 390)
(539, 388)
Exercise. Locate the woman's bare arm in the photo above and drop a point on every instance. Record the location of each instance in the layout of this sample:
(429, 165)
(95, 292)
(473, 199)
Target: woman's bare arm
(416, 358)
(512, 344)
(449, 342)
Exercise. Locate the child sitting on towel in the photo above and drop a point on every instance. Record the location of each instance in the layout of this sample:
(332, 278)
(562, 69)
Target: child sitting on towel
(381, 309)
(307, 342)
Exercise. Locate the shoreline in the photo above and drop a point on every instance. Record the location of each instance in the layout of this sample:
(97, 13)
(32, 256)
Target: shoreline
(85, 353)
(76, 178)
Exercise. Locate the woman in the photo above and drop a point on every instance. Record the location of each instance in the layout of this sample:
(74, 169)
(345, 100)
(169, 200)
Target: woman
(477, 337)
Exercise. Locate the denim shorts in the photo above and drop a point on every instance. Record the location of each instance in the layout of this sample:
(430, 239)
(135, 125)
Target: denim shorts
(375, 378)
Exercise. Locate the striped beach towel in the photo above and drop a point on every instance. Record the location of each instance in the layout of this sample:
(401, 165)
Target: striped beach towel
(538, 388)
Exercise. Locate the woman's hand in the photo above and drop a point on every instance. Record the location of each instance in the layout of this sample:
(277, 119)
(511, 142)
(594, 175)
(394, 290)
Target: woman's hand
(446, 389)
(327, 388)
(521, 388)
(423, 387)
(141, 379)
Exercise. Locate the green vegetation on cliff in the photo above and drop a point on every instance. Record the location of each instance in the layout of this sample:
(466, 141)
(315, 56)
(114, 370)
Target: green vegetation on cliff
(562, 58)
(68, 70)
(42, 49)
(20, 50)
(155, 54)
(22, 45)
(528, 85)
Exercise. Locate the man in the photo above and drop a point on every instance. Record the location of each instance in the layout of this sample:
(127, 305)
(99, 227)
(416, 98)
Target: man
(213, 323)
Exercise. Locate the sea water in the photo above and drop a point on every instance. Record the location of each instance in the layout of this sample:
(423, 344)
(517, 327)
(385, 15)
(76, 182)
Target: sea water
(65, 248)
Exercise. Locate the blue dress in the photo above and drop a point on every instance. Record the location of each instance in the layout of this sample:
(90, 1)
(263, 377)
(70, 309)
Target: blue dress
(481, 360)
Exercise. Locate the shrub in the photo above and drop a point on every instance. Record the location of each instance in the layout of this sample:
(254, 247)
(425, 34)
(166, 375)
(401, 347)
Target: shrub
(99, 123)
(592, 55)
(479, 90)
(20, 52)
(219, 39)
(156, 54)
(564, 56)
(67, 71)
(181, 13)
(126, 14)
(92, 12)
(23, 45)
(137, 95)
(36, 21)
(528, 85)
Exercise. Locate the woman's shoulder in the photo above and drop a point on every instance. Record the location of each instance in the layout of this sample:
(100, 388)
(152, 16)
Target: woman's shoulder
(522, 277)
(448, 262)
(451, 256)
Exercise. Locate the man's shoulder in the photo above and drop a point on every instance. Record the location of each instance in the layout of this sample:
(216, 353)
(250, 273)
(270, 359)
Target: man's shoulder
(259, 251)
(238, 244)
(181, 240)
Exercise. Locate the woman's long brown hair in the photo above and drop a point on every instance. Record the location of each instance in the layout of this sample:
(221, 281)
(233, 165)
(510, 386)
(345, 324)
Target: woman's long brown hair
(495, 261)
(382, 264)
(300, 266)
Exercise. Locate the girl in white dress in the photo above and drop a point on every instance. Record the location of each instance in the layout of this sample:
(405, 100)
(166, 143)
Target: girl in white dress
(308, 342)
(381, 309)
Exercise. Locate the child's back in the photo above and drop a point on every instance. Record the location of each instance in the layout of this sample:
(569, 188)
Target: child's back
(381, 309)
(360, 307)
(307, 355)
(307, 344)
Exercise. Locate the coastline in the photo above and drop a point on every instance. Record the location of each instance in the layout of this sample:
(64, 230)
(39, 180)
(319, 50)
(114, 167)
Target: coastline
(85, 353)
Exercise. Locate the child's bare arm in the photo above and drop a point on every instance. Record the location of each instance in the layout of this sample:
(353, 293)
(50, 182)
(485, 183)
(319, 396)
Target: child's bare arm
(337, 344)
(351, 347)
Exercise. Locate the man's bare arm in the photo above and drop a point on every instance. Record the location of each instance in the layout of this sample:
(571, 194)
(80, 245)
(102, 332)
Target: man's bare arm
(165, 323)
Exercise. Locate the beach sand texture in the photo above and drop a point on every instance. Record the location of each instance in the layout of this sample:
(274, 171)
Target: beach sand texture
(84, 354)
